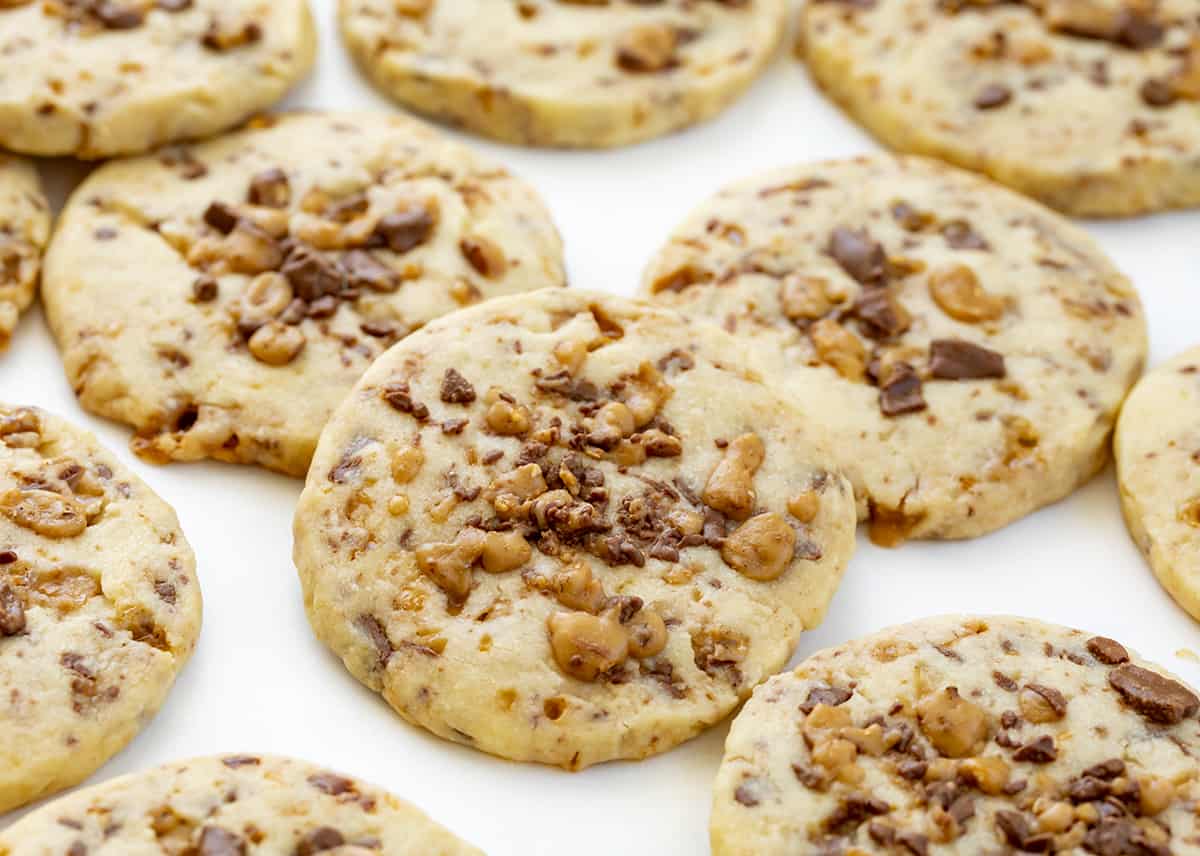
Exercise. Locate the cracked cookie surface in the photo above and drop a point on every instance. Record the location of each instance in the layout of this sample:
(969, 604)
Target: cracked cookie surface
(530, 529)
(223, 298)
(98, 78)
(560, 72)
(99, 605)
(963, 735)
(233, 805)
(24, 231)
(1092, 106)
(966, 348)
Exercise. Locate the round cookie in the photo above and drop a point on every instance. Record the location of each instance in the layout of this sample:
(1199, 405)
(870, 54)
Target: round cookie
(961, 735)
(99, 605)
(1157, 450)
(531, 531)
(561, 72)
(1092, 106)
(222, 299)
(98, 78)
(236, 805)
(24, 230)
(966, 348)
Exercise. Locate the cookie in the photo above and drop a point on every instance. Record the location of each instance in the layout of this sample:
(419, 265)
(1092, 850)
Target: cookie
(561, 72)
(966, 348)
(98, 78)
(1091, 106)
(24, 230)
(961, 735)
(222, 299)
(530, 531)
(99, 605)
(235, 805)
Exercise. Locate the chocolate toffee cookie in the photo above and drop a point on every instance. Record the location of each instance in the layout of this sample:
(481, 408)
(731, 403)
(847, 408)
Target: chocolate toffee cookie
(97, 78)
(1157, 449)
(236, 805)
(222, 299)
(969, 736)
(24, 230)
(967, 349)
(1092, 106)
(564, 72)
(99, 605)
(532, 531)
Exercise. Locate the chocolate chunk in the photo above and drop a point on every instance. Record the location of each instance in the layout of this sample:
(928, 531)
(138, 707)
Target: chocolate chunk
(221, 217)
(405, 229)
(215, 841)
(858, 255)
(1005, 683)
(960, 236)
(746, 796)
(1014, 826)
(1052, 697)
(1040, 751)
(456, 389)
(992, 96)
(902, 392)
(1107, 651)
(363, 270)
(1157, 92)
(331, 784)
(205, 289)
(1109, 769)
(375, 631)
(320, 840)
(399, 396)
(174, 5)
(311, 274)
(913, 842)
(118, 16)
(1137, 30)
(1155, 697)
(1118, 836)
(1086, 789)
(954, 359)
(831, 696)
(852, 811)
(12, 611)
(270, 189)
(881, 314)
(912, 769)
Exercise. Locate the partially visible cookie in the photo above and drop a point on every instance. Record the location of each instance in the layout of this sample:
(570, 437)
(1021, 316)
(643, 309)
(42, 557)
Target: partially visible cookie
(568, 528)
(99, 605)
(235, 805)
(963, 735)
(1091, 106)
(24, 230)
(98, 78)
(966, 348)
(223, 298)
(562, 72)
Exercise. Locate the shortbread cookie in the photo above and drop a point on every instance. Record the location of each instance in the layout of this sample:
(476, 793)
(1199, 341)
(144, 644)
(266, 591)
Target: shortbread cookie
(222, 299)
(967, 349)
(24, 230)
(531, 529)
(97, 78)
(236, 805)
(968, 736)
(562, 72)
(1092, 106)
(99, 605)
(1157, 449)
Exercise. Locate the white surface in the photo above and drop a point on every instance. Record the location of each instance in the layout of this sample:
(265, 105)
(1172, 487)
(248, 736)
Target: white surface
(261, 683)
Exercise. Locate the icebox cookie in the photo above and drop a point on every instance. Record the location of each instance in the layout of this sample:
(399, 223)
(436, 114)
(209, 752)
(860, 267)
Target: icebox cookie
(1092, 106)
(222, 299)
(960, 735)
(236, 805)
(1157, 449)
(99, 605)
(97, 78)
(562, 72)
(535, 531)
(967, 349)
(24, 230)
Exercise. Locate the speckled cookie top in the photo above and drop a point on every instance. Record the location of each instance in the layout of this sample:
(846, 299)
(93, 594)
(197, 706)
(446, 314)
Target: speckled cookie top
(562, 550)
(962, 735)
(234, 805)
(985, 339)
(24, 230)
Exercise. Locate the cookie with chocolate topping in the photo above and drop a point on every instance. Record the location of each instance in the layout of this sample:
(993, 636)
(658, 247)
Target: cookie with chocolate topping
(222, 298)
(532, 528)
(562, 72)
(233, 805)
(1091, 106)
(99, 605)
(964, 735)
(24, 231)
(966, 348)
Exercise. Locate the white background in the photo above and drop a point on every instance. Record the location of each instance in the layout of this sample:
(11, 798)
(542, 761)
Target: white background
(261, 683)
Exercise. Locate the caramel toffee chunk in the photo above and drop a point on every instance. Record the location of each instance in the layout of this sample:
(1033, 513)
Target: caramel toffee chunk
(24, 231)
(594, 563)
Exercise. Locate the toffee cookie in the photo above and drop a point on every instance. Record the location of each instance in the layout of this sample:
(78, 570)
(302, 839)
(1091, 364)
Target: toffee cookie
(967, 736)
(24, 230)
(1092, 106)
(967, 349)
(99, 605)
(531, 531)
(1157, 449)
(236, 805)
(97, 78)
(222, 299)
(561, 72)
